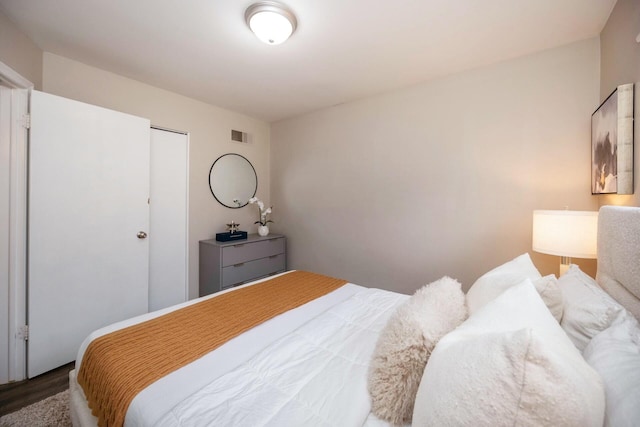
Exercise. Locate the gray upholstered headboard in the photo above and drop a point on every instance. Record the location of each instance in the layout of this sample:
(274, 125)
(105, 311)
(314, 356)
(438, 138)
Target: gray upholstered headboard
(619, 255)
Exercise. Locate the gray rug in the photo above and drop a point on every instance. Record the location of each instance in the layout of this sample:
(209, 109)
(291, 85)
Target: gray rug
(50, 412)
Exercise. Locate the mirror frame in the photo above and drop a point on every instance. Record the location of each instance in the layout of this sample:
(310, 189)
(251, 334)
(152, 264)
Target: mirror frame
(255, 190)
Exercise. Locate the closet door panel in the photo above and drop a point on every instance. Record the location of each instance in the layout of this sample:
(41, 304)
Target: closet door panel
(88, 201)
(168, 237)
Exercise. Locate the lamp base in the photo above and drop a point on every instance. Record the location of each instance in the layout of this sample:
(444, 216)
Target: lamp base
(565, 262)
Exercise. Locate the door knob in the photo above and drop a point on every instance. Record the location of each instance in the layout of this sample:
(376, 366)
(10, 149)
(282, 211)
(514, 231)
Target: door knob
(142, 235)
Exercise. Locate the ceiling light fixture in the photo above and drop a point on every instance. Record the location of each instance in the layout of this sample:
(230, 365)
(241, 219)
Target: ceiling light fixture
(271, 22)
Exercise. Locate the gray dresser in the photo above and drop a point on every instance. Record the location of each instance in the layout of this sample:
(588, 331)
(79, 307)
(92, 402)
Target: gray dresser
(227, 264)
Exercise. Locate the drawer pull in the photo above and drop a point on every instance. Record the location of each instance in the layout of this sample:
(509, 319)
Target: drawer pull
(274, 256)
(238, 265)
(238, 246)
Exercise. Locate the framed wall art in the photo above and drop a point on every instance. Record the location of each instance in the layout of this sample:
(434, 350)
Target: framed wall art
(612, 143)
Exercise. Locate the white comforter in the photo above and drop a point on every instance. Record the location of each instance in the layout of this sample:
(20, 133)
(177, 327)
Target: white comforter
(307, 367)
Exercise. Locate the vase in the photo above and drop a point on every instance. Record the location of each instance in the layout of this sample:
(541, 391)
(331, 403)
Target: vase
(263, 230)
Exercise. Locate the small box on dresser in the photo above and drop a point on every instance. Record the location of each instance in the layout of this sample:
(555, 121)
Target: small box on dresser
(224, 265)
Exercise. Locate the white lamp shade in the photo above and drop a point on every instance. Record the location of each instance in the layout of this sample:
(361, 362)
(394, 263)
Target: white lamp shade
(566, 233)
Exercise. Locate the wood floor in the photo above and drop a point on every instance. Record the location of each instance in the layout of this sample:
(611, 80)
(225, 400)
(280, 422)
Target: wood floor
(14, 396)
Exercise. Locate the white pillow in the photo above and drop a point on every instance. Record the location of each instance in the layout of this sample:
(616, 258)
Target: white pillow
(489, 286)
(405, 344)
(615, 354)
(501, 278)
(551, 294)
(509, 364)
(588, 309)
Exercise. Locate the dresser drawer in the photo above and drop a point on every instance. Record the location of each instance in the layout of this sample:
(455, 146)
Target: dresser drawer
(226, 264)
(243, 252)
(242, 272)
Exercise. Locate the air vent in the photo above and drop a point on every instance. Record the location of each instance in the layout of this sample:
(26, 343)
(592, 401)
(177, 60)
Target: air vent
(239, 136)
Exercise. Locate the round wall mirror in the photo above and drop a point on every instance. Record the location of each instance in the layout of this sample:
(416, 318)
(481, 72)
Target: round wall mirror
(233, 180)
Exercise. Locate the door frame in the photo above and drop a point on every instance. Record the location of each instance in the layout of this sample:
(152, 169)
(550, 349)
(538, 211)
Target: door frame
(17, 262)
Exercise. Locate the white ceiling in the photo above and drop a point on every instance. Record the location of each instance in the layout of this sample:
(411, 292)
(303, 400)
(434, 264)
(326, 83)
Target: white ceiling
(342, 50)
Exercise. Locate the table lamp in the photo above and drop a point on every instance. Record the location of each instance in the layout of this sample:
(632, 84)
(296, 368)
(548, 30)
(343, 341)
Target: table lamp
(565, 234)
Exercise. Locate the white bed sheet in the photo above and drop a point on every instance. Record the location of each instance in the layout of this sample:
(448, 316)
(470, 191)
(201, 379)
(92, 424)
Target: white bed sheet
(349, 319)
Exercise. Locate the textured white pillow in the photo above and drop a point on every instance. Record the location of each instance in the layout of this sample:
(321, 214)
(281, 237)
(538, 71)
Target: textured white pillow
(509, 364)
(405, 344)
(498, 280)
(588, 309)
(615, 354)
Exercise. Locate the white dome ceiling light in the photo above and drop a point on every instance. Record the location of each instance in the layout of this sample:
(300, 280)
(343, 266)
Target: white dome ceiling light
(271, 22)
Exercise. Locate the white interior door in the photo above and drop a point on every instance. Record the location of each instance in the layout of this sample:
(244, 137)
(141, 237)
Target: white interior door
(88, 200)
(168, 219)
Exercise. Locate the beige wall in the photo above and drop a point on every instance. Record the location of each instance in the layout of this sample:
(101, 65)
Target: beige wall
(209, 129)
(438, 179)
(20, 53)
(620, 64)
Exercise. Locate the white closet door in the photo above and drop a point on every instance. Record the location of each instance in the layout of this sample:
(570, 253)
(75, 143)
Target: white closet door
(168, 219)
(88, 192)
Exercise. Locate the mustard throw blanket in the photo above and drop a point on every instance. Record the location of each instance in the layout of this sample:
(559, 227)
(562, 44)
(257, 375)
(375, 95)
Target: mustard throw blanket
(117, 366)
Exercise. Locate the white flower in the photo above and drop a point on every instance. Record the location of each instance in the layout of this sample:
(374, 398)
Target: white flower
(263, 212)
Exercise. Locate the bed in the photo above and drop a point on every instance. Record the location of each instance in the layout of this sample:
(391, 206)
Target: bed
(316, 363)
